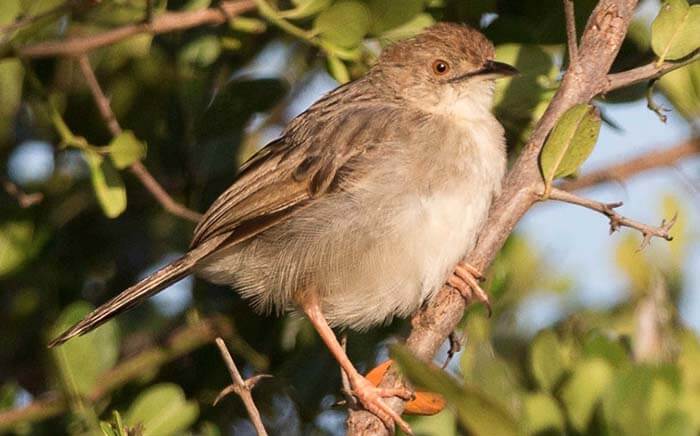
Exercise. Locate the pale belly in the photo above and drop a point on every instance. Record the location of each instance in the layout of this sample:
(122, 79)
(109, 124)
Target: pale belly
(423, 244)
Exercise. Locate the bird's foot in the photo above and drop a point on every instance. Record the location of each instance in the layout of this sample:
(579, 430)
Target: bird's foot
(370, 397)
(465, 279)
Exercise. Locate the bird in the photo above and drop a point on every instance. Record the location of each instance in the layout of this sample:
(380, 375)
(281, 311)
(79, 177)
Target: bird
(364, 206)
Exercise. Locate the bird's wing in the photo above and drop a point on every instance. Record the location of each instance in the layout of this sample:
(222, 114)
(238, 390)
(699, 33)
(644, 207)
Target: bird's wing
(297, 169)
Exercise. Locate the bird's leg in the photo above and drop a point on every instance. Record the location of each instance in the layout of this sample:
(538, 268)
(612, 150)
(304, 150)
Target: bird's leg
(366, 393)
(465, 279)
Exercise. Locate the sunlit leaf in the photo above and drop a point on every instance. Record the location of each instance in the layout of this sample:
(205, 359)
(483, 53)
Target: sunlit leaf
(546, 361)
(83, 359)
(584, 389)
(633, 262)
(125, 149)
(162, 410)
(570, 142)
(108, 184)
(477, 411)
(682, 88)
(338, 69)
(389, 14)
(305, 8)
(344, 23)
(542, 414)
(408, 29)
(599, 345)
(676, 423)
(675, 32)
(194, 5)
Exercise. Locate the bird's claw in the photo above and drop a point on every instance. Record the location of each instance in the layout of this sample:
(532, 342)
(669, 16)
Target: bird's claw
(370, 397)
(465, 279)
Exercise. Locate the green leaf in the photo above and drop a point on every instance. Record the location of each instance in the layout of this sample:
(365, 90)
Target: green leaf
(628, 404)
(304, 8)
(583, 390)
(570, 143)
(162, 410)
(409, 29)
(389, 14)
(675, 32)
(676, 423)
(344, 24)
(20, 241)
(11, 77)
(546, 360)
(125, 149)
(599, 345)
(478, 412)
(247, 25)
(108, 184)
(83, 359)
(543, 415)
(338, 69)
(201, 52)
(682, 88)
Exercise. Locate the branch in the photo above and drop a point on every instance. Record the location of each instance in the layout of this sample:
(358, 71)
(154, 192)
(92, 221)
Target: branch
(625, 170)
(599, 45)
(644, 73)
(137, 168)
(180, 343)
(165, 23)
(23, 199)
(241, 387)
(616, 220)
(571, 39)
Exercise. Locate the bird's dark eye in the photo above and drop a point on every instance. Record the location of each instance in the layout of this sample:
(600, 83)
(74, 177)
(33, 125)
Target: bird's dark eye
(440, 67)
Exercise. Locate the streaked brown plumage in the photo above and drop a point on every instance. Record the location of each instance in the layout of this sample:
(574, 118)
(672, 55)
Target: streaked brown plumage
(364, 206)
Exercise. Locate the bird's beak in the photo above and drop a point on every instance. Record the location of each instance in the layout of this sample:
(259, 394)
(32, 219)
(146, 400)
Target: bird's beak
(499, 69)
(492, 69)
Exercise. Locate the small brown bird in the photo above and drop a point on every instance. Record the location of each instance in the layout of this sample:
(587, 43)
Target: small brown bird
(365, 205)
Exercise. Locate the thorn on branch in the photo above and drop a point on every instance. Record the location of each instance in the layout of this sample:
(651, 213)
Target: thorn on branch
(618, 221)
(652, 105)
(455, 347)
(241, 387)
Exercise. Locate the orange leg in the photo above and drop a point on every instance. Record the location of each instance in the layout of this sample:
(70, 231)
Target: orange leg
(465, 279)
(366, 393)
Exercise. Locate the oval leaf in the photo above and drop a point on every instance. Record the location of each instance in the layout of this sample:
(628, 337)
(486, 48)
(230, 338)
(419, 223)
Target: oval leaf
(584, 389)
(83, 359)
(675, 32)
(108, 184)
(19, 242)
(543, 415)
(570, 143)
(126, 149)
(162, 410)
(344, 24)
(546, 361)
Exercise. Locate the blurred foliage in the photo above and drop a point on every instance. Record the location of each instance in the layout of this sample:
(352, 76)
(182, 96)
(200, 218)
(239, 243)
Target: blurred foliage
(194, 104)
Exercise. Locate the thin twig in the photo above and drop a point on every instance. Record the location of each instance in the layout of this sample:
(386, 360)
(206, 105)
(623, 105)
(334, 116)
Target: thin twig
(571, 38)
(644, 73)
(165, 23)
(241, 387)
(616, 220)
(625, 170)
(23, 199)
(137, 168)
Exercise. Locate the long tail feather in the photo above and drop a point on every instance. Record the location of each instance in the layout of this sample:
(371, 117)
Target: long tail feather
(136, 294)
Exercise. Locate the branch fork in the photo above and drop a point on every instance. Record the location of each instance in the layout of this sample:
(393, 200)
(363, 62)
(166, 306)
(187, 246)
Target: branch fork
(241, 387)
(618, 221)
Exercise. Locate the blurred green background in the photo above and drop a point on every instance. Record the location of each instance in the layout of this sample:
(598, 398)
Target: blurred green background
(589, 335)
